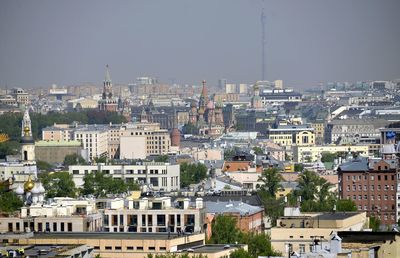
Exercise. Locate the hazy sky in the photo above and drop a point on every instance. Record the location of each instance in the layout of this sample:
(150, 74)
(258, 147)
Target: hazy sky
(308, 41)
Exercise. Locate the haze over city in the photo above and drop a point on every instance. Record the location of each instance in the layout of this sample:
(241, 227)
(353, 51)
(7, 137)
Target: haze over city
(307, 42)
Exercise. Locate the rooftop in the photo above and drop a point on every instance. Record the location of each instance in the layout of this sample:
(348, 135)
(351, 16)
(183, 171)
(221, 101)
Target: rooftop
(107, 235)
(57, 143)
(232, 207)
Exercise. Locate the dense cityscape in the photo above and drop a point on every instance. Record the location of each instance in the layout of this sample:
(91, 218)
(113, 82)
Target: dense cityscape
(226, 168)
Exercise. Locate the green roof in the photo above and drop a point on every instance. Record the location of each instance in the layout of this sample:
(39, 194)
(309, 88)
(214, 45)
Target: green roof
(57, 143)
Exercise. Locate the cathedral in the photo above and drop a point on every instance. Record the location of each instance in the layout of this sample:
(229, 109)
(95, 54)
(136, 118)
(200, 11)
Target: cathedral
(207, 116)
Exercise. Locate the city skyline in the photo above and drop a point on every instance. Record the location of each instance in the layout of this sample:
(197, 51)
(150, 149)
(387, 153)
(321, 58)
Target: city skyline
(307, 42)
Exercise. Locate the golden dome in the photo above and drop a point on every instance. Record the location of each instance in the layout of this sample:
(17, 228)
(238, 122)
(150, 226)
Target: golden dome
(28, 185)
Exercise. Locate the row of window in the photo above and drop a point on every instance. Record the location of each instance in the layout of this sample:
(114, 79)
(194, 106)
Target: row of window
(372, 177)
(131, 248)
(372, 188)
(371, 197)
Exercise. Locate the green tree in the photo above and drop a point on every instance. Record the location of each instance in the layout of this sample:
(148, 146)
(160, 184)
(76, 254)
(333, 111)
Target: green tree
(74, 159)
(9, 148)
(258, 244)
(374, 223)
(240, 253)
(10, 202)
(229, 153)
(99, 184)
(258, 150)
(273, 207)
(192, 173)
(43, 165)
(224, 230)
(346, 205)
(315, 192)
(327, 157)
(271, 179)
(162, 158)
(189, 128)
(102, 159)
(58, 184)
(298, 167)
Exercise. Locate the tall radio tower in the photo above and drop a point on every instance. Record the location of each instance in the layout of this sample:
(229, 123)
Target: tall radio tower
(263, 20)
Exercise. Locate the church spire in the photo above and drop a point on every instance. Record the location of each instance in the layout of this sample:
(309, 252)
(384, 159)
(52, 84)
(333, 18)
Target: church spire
(26, 125)
(108, 77)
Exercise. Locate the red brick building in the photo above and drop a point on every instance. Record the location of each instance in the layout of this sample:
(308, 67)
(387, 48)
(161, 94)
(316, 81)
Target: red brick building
(372, 185)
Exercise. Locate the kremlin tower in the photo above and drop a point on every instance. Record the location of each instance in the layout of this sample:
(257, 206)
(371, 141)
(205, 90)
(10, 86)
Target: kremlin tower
(108, 102)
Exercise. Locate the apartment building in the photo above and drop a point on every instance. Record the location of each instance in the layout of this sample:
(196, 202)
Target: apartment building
(313, 153)
(289, 135)
(63, 215)
(142, 140)
(299, 232)
(125, 141)
(155, 214)
(94, 139)
(55, 151)
(159, 176)
(372, 185)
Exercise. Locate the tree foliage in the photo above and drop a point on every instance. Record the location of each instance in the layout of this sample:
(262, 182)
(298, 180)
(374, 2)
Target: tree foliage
(271, 179)
(298, 167)
(58, 184)
(374, 223)
(346, 205)
(43, 165)
(224, 231)
(258, 150)
(100, 184)
(328, 157)
(192, 173)
(10, 202)
(74, 159)
(162, 158)
(189, 128)
(11, 122)
(9, 148)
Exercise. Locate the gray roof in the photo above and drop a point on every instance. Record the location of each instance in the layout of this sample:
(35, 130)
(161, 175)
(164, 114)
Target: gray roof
(232, 207)
(359, 164)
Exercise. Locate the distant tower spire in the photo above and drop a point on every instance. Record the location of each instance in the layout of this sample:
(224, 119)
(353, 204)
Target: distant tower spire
(263, 42)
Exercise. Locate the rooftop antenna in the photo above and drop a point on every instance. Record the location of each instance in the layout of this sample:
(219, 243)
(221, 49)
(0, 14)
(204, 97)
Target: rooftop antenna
(263, 22)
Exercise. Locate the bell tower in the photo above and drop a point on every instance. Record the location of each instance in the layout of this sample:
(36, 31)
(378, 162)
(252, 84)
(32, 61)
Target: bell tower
(27, 142)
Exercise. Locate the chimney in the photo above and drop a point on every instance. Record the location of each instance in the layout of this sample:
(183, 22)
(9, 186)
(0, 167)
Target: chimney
(199, 203)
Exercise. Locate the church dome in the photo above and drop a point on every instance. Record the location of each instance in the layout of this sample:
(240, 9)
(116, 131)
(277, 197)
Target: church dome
(210, 105)
(19, 190)
(41, 189)
(35, 190)
(29, 185)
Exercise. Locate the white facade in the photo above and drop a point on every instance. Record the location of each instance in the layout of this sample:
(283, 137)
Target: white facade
(93, 140)
(159, 176)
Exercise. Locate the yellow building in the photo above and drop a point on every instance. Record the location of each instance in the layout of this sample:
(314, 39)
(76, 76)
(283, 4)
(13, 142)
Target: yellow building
(121, 245)
(298, 230)
(319, 131)
(292, 135)
(313, 153)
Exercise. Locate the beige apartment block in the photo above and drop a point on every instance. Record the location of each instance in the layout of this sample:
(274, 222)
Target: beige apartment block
(63, 215)
(314, 153)
(159, 176)
(156, 214)
(299, 230)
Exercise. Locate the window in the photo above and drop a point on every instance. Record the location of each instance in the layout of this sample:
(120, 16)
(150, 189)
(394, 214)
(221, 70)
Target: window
(118, 248)
(108, 247)
(130, 248)
(372, 178)
(379, 177)
(152, 248)
(139, 248)
(302, 248)
(69, 227)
